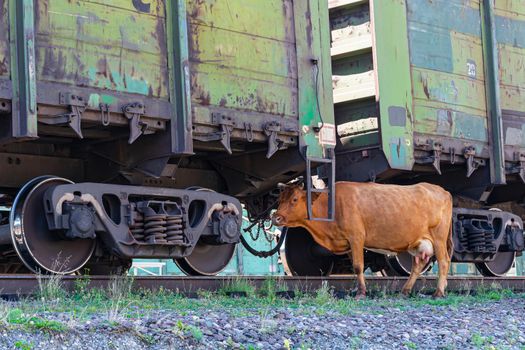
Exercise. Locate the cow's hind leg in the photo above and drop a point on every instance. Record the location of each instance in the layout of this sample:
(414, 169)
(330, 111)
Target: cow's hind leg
(358, 260)
(417, 267)
(442, 255)
(443, 260)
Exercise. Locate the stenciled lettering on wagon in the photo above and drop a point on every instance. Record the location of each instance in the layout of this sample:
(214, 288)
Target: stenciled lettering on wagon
(142, 6)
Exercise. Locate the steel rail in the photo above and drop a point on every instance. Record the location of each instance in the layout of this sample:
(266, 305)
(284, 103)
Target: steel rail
(29, 284)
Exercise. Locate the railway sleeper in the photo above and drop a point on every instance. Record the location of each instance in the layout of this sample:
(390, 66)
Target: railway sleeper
(55, 224)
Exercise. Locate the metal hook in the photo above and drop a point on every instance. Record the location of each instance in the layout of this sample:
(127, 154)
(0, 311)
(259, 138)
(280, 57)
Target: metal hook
(104, 113)
(248, 127)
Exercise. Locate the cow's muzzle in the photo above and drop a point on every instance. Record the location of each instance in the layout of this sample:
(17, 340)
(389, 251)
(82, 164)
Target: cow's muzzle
(277, 220)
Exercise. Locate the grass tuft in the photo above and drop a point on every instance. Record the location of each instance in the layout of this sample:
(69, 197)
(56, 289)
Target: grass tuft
(50, 288)
(238, 284)
(23, 345)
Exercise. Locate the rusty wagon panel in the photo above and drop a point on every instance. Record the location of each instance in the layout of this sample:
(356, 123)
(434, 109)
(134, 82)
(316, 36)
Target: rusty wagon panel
(137, 85)
(104, 45)
(432, 89)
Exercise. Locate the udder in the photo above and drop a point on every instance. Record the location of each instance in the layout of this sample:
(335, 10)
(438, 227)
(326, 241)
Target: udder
(423, 252)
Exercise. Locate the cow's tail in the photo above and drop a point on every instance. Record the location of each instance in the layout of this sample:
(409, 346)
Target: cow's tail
(450, 242)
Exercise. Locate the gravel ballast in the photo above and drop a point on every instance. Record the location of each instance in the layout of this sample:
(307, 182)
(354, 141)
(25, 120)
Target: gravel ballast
(391, 323)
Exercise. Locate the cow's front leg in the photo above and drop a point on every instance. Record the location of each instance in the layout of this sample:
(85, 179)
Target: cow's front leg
(358, 260)
(417, 266)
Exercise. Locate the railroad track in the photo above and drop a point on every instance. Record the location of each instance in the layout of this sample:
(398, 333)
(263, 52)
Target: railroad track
(29, 284)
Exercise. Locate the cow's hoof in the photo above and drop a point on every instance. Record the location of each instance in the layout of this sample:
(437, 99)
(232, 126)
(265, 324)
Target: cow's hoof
(360, 296)
(405, 293)
(438, 294)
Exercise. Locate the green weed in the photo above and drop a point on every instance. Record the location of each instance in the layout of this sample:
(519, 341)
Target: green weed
(23, 345)
(16, 316)
(480, 341)
(196, 333)
(238, 284)
(411, 345)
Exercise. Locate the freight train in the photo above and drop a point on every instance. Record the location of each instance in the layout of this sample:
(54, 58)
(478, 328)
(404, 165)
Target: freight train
(135, 129)
(434, 91)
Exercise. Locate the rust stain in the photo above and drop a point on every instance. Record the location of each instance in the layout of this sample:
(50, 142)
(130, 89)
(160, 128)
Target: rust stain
(4, 68)
(309, 33)
(102, 68)
(199, 94)
(409, 115)
(3, 21)
(425, 88)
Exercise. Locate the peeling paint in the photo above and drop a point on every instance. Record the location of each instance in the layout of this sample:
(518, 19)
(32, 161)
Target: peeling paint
(514, 137)
(95, 100)
(115, 48)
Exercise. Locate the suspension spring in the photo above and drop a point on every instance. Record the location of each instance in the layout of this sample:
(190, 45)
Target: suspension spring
(489, 242)
(174, 230)
(155, 228)
(476, 241)
(477, 235)
(462, 235)
(137, 227)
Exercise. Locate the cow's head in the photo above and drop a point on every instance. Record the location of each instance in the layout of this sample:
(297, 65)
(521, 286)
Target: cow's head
(292, 207)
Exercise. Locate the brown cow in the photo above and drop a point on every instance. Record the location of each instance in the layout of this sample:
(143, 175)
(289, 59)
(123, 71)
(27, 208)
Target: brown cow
(384, 218)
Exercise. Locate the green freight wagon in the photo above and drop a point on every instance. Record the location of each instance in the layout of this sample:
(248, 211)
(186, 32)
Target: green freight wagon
(432, 85)
(136, 128)
(434, 90)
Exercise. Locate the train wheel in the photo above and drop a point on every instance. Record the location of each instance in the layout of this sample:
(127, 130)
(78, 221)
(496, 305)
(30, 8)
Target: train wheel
(41, 250)
(302, 256)
(206, 259)
(498, 267)
(400, 265)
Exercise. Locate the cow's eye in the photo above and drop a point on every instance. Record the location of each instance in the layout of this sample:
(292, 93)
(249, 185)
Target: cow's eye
(294, 200)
